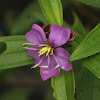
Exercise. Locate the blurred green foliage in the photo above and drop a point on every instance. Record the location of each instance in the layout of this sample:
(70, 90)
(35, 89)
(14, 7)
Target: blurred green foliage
(95, 3)
(16, 94)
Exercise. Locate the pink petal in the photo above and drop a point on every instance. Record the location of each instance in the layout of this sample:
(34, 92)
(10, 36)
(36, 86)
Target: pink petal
(36, 35)
(44, 61)
(48, 72)
(56, 72)
(33, 53)
(62, 56)
(58, 35)
(52, 62)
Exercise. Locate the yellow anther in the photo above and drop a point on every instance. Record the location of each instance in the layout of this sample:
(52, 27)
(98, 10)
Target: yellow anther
(40, 45)
(52, 51)
(46, 49)
(43, 51)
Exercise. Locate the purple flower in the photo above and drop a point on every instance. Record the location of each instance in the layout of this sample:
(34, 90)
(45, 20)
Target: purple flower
(49, 56)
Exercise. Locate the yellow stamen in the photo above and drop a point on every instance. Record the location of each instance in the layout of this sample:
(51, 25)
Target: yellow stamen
(49, 49)
(43, 51)
(56, 66)
(40, 45)
(52, 51)
(46, 49)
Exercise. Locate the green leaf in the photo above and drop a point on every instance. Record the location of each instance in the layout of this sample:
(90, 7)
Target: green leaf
(89, 46)
(93, 64)
(88, 86)
(95, 3)
(14, 55)
(63, 85)
(52, 10)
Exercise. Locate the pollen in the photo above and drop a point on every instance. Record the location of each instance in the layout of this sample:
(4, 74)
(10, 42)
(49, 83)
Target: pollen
(47, 49)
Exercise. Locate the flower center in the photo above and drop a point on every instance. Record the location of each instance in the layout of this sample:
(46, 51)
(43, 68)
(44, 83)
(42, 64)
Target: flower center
(46, 49)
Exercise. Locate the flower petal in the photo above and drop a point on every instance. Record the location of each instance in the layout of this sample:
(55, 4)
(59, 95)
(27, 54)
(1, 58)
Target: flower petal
(53, 62)
(62, 56)
(48, 72)
(68, 67)
(36, 35)
(56, 72)
(58, 35)
(44, 61)
(33, 53)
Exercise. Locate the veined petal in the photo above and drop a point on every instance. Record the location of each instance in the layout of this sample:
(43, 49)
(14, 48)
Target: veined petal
(61, 52)
(44, 61)
(36, 35)
(62, 56)
(68, 67)
(58, 35)
(33, 53)
(53, 63)
(36, 65)
(47, 61)
(49, 72)
(56, 72)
